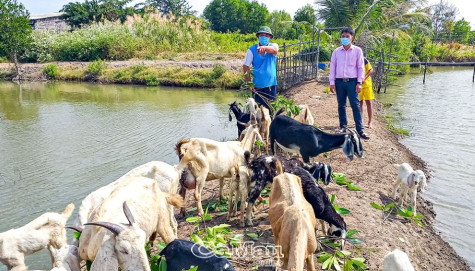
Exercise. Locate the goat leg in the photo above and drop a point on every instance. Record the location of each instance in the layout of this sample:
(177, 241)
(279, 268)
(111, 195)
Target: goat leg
(182, 193)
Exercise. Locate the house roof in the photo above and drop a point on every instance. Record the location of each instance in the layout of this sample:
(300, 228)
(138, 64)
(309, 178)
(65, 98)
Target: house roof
(45, 16)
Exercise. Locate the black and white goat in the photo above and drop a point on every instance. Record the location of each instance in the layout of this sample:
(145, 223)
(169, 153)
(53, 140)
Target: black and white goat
(183, 255)
(265, 168)
(309, 141)
(242, 118)
(322, 206)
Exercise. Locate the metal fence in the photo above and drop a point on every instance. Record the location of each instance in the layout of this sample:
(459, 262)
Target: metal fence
(464, 37)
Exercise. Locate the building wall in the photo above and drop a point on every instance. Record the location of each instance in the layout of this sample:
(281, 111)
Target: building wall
(50, 24)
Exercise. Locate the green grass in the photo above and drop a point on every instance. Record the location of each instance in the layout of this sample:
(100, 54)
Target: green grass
(216, 77)
(390, 124)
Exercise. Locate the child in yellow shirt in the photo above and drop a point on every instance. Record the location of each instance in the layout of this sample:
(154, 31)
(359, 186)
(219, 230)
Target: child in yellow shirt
(366, 93)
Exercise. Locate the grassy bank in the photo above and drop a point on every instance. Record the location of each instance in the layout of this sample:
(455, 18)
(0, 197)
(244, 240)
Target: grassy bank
(98, 71)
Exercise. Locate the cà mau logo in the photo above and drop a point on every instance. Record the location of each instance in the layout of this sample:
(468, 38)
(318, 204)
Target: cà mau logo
(245, 250)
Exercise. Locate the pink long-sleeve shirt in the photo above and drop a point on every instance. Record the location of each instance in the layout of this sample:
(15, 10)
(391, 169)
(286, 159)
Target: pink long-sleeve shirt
(347, 64)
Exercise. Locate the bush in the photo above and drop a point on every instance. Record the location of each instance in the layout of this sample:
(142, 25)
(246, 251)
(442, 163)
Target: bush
(95, 68)
(218, 71)
(51, 71)
(151, 80)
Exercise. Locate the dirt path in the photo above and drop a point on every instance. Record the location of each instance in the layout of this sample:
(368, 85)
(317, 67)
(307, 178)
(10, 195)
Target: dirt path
(374, 174)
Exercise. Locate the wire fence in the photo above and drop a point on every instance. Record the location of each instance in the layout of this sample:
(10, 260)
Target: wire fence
(464, 37)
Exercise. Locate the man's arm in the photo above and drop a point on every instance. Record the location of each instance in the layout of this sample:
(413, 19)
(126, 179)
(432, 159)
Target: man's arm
(271, 49)
(360, 70)
(332, 72)
(246, 64)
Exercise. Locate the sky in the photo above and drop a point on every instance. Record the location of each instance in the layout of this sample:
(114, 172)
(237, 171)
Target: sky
(466, 7)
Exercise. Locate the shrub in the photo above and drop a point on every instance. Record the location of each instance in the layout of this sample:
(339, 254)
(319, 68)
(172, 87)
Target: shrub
(95, 68)
(218, 71)
(51, 71)
(151, 80)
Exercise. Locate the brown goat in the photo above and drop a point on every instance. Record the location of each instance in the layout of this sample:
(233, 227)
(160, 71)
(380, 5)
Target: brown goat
(293, 223)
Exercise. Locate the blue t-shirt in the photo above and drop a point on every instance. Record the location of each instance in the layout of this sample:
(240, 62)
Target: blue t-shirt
(265, 74)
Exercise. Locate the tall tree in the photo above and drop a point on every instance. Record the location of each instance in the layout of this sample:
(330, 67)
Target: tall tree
(175, 7)
(280, 22)
(77, 14)
(305, 14)
(443, 15)
(462, 30)
(15, 29)
(233, 15)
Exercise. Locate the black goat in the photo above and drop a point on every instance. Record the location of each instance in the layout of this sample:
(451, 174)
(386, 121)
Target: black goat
(322, 206)
(242, 118)
(318, 170)
(183, 255)
(265, 168)
(293, 136)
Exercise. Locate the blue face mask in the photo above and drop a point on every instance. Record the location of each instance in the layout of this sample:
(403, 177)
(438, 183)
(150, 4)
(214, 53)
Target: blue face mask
(263, 40)
(345, 41)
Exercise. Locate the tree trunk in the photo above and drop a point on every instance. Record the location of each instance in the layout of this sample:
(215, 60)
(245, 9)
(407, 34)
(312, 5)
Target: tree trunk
(17, 66)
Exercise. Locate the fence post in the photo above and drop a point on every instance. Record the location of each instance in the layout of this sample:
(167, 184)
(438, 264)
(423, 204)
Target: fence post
(389, 62)
(300, 60)
(473, 76)
(425, 69)
(285, 68)
(318, 53)
(382, 70)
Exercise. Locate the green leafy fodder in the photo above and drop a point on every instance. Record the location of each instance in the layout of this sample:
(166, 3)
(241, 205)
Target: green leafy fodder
(340, 179)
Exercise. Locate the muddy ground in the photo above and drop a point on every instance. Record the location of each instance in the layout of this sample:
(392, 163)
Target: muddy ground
(374, 174)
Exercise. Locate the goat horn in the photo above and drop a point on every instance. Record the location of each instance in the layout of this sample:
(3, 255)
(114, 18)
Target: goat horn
(128, 214)
(75, 228)
(114, 228)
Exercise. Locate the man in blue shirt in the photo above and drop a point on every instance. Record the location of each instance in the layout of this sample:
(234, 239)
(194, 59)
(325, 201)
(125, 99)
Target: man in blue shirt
(262, 57)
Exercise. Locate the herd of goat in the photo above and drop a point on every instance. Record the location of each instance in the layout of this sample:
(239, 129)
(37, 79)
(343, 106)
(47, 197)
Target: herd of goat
(117, 220)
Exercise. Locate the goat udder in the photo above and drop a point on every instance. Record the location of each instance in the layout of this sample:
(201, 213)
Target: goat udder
(187, 179)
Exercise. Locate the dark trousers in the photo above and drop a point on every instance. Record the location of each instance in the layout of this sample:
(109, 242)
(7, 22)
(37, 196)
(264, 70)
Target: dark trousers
(344, 90)
(265, 95)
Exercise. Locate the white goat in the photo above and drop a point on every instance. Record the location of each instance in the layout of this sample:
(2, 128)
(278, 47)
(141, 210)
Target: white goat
(397, 261)
(123, 243)
(66, 255)
(408, 180)
(240, 184)
(261, 116)
(46, 231)
(210, 160)
(304, 116)
(166, 176)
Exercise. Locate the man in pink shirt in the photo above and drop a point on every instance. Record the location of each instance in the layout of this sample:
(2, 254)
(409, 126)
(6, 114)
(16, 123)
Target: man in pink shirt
(346, 77)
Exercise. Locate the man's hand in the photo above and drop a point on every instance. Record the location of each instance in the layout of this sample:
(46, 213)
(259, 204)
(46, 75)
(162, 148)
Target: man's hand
(358, 88)
(332, 89)
(261, 49)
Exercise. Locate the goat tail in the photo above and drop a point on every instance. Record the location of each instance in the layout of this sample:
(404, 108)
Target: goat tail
(175, 200)
(68, 211)
(298, 248)
(178, 147)
(280, 111)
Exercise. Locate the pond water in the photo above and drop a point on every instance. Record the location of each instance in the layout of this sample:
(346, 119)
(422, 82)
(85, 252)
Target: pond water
(440, 118)
(61, 141)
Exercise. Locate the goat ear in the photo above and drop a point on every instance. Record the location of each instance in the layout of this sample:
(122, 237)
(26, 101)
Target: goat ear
(411, 179)
(247, 157)
(229, 114)
(348, 148)
(128, 214)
